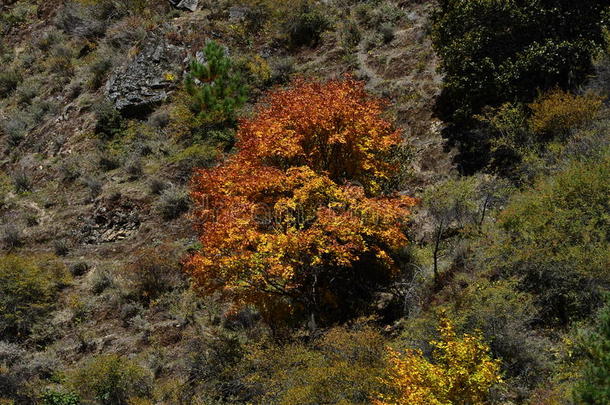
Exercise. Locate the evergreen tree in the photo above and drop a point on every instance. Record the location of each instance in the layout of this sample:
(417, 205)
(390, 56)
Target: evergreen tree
(215, 86)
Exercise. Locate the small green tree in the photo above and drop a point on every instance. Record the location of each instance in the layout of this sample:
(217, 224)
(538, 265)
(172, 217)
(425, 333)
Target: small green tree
(594, 388)
(457, 205)
(215, 86)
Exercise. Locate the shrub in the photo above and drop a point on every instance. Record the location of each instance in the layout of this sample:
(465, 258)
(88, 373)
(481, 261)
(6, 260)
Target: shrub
(15, 130)
(593, 387)
(305, 25)
(157, 186)
(194, 157)
(60, 61)
(215, 87)
(387, 32)
(502, 313)
(69, 171)
(557, 239)
(133, 167)
(498, 51)
(159, 119)
(61, 247)
(21, 181)
(173, 203)
(11, 379)
(12, 236)
(281, 70)
(557, 112)
(101, 280)
(94, 184)
(98, 71)
(9, 80)
(109, 122)
(108, 162)
(350, 35)
(28, 292)
(52, 397)
(318, 155)
(28, 90)
(112, 380)
(462, 372)
(79, 268)
(78, 19)
(342, 367)
(154, 272)
(495, 52)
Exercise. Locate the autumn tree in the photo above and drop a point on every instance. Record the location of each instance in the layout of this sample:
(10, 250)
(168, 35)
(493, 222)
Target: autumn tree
(300, 219)
(462, 372)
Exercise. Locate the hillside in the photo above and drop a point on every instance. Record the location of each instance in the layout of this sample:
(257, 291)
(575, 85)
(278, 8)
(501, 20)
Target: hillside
(438, 194)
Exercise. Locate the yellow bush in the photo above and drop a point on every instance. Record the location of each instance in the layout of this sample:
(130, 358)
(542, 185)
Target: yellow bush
(556, 112)
(258, 69)
(462, 372)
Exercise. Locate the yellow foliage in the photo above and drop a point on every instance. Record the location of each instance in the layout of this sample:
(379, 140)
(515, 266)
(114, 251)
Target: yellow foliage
(556, 112)
(462, 372)
(259, 68)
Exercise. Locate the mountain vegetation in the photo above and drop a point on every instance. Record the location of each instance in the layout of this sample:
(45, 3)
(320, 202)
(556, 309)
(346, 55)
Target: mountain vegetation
(303, 202)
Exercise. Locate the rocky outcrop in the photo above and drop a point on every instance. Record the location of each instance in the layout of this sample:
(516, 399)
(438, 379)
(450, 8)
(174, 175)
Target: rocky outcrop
(112, 220)
(190, 5)
(145, 81)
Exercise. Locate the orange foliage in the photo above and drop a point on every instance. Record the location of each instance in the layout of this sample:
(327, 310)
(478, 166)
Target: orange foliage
(300, 207)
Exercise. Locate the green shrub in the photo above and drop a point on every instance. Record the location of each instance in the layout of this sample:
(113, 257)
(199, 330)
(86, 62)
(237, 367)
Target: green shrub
(109, 122)
(195, 156)
(98, 71)
(216, 88)
(594, 388)
(556, 239)
(305, 25)
(112, 380)
(28, 292)
(52, 397)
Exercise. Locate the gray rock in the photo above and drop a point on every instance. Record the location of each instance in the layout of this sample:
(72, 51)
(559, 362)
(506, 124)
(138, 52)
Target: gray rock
(145, 81)
(110, 221)
(190, 5)
(238, 13)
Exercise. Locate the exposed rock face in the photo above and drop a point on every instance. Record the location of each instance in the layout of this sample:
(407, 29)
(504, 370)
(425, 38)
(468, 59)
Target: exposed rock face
(146, 80)
(111, 221)
(190, 5)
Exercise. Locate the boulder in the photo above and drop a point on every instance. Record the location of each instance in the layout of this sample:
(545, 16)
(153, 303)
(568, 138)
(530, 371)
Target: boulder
(190, 5)
(146, 80)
